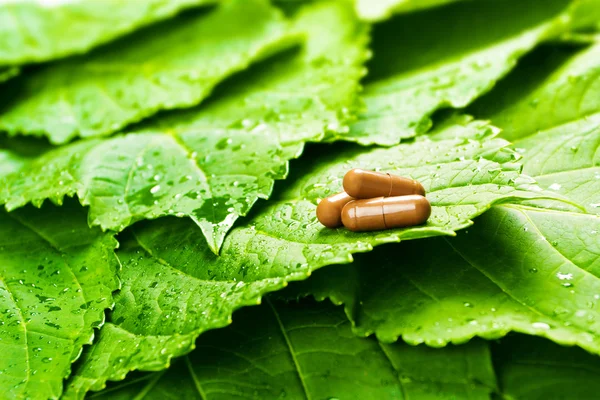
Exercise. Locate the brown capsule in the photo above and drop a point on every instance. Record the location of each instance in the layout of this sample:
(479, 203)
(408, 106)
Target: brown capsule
(385, 213)
(362, 184)
(329, 210)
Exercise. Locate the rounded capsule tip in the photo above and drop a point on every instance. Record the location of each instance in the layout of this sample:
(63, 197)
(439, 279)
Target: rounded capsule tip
(353, 182)
(326, 214)
(423, 208)
(349, 216)
(419, 189)
(329, 210)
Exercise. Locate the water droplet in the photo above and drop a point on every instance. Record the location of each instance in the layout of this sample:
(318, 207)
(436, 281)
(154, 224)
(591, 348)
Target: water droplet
(555, 186)
(564, 277)
(540, 325)
(533, 270)
(155, 189)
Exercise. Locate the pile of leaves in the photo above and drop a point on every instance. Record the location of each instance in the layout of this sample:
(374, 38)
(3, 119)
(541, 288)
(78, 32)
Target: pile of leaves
(160, 166)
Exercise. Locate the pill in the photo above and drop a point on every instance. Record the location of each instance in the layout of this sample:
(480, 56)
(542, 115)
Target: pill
(362, 184)
(329, 210)
(385, 213)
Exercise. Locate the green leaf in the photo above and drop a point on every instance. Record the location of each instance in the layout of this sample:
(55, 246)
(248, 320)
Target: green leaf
(174, 64)
(587, 15)
(210, 164)
(552, 87)
(519, 268)
(554, 120)
(175, 288)
(309, 352)
(566, 159)
(8, 72)
(34, 31)
(532, 368)
(378, 10)
(56, 279)
(447, 64)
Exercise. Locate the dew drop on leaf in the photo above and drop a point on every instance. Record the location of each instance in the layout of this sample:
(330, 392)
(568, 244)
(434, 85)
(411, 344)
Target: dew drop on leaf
(540, 325)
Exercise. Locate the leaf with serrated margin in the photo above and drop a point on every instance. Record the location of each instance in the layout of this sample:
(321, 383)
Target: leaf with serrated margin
(174, 288)
(211, 164)
(56, 279)
(553, 86)
(34, 31)
(566, 160)
(518, 268)
(174, 64)
(307, 351)
(554, 121)
(448, 64)
(378, 10)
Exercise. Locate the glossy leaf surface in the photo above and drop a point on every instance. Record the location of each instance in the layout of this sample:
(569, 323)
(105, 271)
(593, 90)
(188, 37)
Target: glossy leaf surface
(56, 279)
(38, 30)
(175, 64)
(174, 288)
(309, 352)
(447, 65)
(537, 369)
(210, 163)
(377, 10)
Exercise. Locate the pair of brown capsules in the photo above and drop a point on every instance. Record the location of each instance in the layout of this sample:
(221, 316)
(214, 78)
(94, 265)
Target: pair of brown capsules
(373, 201)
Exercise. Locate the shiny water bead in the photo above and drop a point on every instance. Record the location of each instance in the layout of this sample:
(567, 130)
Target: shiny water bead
(329, 210)
(362, 184)
(385, 213)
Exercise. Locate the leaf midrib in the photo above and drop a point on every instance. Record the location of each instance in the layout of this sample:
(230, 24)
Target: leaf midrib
(291, 350)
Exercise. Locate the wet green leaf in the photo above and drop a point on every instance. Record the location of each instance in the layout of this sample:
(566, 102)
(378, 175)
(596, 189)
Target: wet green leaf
(175, 64)
(33, 31)
(448, 64)
(175, 288)
(518, 268)
(530, 368)
(210, 164)
(308, 351)
(566, 160)
(56, 279)
(531, 270)
(377, 10)
(552, 87)
(554, 121)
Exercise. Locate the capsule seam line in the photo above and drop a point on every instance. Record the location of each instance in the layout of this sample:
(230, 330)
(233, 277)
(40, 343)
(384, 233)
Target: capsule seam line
(383, 213)
(390, 191)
